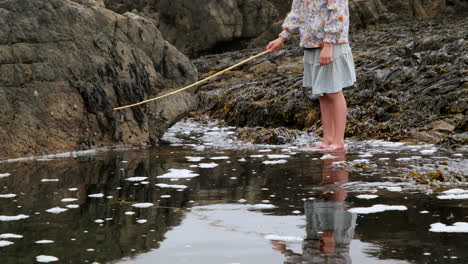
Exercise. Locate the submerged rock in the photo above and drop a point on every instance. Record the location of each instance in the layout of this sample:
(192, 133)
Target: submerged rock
(411, 79)
(64, 67)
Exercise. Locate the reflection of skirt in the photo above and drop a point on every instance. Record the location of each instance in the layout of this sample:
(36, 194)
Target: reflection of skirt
(319, 80)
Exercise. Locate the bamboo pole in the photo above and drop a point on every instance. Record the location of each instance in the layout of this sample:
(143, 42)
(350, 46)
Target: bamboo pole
(194, 84)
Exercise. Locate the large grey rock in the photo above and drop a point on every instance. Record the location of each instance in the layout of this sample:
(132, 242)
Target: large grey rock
(198, 26)
(64, 66)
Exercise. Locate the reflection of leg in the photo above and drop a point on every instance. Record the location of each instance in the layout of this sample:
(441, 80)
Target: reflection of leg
(327, 119)
(339, 113)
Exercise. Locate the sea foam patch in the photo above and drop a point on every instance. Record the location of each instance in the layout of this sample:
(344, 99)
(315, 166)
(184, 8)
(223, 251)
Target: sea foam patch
(142, 205)
(220, 158)
(194, 159)
(260, 206)
(9, 195)
(96, 195)
(208, 165)
(178, 174)
(3, 175)
(290, 239)
(44, 241)
(378, 208)
(272, 162)
(56, 210)
(9, 235)
(7, 218)
(136, 179)
(68, 200)
(367, 196)
(46, 259)
(459, 227)
(5, 243)
(175, 186)
(278, 156)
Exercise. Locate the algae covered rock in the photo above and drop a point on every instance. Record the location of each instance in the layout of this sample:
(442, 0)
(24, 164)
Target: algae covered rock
(64, 67)
(412, 85)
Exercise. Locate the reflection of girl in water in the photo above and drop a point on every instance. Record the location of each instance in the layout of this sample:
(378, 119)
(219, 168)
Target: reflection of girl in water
(330, 227)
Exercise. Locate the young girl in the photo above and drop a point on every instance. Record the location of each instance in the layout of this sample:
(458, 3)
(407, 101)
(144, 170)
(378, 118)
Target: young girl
(328, 61)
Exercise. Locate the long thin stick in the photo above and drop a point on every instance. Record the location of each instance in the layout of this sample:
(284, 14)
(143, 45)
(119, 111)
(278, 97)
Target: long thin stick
(194, 84)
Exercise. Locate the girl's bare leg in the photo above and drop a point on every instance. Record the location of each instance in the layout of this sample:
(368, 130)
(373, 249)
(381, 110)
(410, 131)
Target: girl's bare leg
(326, 111)
(339, 115)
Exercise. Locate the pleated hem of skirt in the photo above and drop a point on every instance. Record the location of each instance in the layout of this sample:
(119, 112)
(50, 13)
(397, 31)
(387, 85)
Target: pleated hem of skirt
(311, 95)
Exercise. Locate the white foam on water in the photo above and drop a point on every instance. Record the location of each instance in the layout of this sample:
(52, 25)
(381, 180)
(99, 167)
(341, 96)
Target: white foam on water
(455, 191)
(176, 186)
(96, 195)
(72, 206)
(265, 150)
(457, 155)
(44, 241)
(424, 212)
(9, 195)
(367, 196)
(290, 239)
(219, 158)
(165, 196)
(5, 243)
(136, 179)
(278, 156)
(49, 180)
(129, 213)
(56, 210)
(272, 162)
(260, 206)
(367, 155)
(361, 161)
(46, 259)
(178, 174)
(9, 235)
(68, 200)
(385, 144)
(384, 158)
(7, 218)
(392, 189)
(142, 205)
(194, 159)
(296, 212)
(378, 208)
(99, 221)
(242, 200)
(453, 196)
(208, 165)
(3, 175)
(327, 156)
(459, 227)
(73, 189)
(142, 221)
(428, 151)
(242, 160)
(257, 156)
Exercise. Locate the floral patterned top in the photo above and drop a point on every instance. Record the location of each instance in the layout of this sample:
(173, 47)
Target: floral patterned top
(318, 22)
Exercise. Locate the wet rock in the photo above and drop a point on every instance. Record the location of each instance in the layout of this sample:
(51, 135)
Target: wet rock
(410, 75)
(200, 26)
(275, 136)
(60, 80)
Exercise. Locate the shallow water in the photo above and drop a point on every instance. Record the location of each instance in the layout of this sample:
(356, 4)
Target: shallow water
(238, 209)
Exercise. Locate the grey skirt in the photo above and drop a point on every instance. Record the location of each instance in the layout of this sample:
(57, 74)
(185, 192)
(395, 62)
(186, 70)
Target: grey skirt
(320, 80)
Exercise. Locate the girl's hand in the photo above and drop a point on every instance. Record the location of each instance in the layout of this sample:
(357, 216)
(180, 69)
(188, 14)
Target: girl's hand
(326, 55)
(275, 44)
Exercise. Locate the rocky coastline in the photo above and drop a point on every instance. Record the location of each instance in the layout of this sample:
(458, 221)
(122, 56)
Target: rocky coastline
(412, 85)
